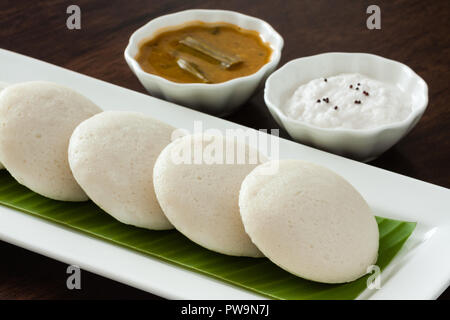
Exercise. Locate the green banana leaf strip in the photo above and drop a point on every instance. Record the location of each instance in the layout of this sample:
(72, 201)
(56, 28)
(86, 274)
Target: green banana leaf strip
(258, 275)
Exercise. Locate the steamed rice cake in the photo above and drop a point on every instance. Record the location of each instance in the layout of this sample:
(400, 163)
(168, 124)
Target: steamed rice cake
(112, 156)
(309, 221)
(200, 198)
(36, 122)
(2, 86)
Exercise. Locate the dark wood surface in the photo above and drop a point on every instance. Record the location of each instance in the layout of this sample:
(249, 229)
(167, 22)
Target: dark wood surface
(414, 32)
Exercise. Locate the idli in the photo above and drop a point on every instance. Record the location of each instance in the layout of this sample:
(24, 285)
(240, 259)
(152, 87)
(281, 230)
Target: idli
(36, 122)
(2, 86)
(309, 221)
(198, 190)
(112, 156)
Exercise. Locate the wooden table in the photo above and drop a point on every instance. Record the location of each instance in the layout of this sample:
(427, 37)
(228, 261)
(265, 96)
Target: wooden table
(413, 32)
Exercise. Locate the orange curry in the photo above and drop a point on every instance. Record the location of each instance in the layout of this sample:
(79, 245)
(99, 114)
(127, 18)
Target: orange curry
(204, 53)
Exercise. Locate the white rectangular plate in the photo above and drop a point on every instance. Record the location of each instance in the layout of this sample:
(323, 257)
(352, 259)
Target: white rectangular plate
(420, 271)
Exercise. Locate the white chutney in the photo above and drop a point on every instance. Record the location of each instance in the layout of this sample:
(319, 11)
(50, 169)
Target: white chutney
(351, 101)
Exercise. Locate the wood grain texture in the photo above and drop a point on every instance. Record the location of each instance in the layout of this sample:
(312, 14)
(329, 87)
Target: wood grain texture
(414, 32)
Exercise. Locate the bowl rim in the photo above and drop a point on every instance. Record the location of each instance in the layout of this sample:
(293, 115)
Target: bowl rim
(274, 59)
(416, 112)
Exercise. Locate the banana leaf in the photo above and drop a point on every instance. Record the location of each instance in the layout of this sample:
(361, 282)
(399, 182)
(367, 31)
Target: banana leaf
(257, 275)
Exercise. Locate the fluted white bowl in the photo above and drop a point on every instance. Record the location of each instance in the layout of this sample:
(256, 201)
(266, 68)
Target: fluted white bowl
(359, 144)
(217, 99)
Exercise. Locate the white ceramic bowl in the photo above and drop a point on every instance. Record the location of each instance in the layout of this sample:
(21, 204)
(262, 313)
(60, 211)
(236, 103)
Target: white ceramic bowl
(359, 144)
(218, 99)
